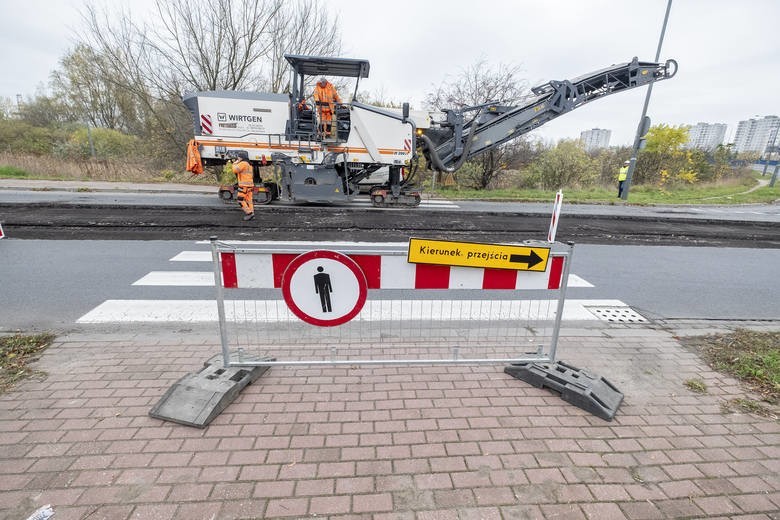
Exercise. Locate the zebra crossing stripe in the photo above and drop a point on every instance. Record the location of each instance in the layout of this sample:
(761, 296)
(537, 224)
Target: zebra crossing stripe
(203, 311)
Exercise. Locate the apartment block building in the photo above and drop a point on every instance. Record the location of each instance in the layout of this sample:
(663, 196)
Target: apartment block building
(754, 135)
(706, 136)
(595, 139)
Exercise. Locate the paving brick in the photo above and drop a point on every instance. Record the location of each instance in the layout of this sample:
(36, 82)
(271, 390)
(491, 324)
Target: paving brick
(277, 488)
(190, 492)
(355, 485)
(480, 513)
(494, 496)
(541, 475)
(679, 508)
(683, 471)
(329, 505)
(444, 514)
(372, 503)
(641, 511)
(243, 508)
(381, 467)
(754, 503)
(278, 507)
(454, 498)
(567, 511)
(433, 481)
(153, 512)
(680, 488)
(609, 492)
(750, 484)
(716, 505)
(603, 511)
(199, 511)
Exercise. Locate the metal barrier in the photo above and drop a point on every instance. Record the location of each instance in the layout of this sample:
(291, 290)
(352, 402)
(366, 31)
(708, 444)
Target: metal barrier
(383, 309)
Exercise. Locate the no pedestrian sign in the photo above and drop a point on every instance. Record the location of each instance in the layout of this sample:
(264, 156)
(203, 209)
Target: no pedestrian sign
(324, 288)
(475, 254)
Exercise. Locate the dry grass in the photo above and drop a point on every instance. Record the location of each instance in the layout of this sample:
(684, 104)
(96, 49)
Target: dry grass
(16, 353)
(47, 167)
(750, 356)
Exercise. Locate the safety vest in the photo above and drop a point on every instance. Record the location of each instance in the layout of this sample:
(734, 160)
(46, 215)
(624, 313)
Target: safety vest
(326, 96)
(623, 173)
(194, 163)
(244, 175)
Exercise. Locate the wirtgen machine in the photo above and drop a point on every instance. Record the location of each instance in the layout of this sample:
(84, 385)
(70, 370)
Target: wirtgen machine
(283, 130)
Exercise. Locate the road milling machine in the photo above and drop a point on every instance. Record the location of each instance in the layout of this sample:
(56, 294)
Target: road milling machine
(283, 130)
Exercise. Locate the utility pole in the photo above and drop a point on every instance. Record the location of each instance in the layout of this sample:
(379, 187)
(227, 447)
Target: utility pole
(644, 121)
(770, 149)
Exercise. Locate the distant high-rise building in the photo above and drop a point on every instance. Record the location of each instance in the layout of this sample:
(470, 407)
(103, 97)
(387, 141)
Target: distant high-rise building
(754, 135)
(595, 139)
(706, 136)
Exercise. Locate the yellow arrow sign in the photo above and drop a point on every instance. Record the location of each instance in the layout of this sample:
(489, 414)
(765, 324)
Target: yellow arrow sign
(475, 254)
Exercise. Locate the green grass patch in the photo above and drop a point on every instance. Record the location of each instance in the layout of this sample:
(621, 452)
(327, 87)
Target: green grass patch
(16, 353)
(728, 192)
(741, 405)
(11, 172)
(750, 356)
(696, 385)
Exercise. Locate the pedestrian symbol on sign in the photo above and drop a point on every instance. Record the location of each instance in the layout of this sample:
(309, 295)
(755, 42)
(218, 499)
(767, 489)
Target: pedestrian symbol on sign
(323, 287)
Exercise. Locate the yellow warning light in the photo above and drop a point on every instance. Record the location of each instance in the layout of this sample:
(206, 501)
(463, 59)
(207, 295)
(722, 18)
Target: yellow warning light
(419, 131)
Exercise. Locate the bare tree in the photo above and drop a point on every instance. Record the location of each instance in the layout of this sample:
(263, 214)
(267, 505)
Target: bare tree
(302, 27)
(91, 96)
(476, 85)
(194, 45)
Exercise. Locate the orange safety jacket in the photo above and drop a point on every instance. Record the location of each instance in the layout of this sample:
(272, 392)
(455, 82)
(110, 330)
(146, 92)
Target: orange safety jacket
(194, 163)
(324, 97)
(244, 175)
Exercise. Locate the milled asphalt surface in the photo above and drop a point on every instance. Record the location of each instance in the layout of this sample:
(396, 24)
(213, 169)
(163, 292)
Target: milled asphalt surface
(386, 442)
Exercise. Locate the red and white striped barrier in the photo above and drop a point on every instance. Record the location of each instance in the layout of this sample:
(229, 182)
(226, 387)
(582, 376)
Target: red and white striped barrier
(206, 124)
(265, 270)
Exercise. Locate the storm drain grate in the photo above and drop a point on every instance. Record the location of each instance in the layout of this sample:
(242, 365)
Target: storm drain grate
(621, 314)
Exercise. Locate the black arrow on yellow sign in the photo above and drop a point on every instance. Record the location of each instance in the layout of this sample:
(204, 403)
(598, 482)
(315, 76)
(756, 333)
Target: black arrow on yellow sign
(531, 259)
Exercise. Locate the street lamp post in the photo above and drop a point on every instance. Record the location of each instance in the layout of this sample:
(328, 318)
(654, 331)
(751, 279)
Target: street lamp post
(644, 121)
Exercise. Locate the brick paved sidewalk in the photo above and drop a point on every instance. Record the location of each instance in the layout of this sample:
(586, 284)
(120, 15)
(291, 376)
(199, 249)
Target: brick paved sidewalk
(442, 442)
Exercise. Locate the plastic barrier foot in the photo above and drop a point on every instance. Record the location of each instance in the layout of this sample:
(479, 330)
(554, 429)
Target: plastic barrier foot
(198, 398)
(590, 392)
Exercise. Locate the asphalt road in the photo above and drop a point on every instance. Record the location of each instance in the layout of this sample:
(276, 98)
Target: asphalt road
(104, 211)
(49, 284)
(45, 220)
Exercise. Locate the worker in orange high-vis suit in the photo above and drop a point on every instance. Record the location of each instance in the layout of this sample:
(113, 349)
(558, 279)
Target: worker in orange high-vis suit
(246, 182)
(325, 98)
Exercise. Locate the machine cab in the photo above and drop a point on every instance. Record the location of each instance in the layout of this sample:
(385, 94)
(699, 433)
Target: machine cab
(305, 119)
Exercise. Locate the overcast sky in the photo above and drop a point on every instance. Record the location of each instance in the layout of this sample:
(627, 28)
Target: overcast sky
(728, 51)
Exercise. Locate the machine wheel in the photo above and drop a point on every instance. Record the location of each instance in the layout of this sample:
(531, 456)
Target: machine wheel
(225, 195)
(378, 200)
(266, 197)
